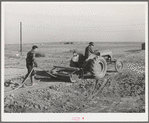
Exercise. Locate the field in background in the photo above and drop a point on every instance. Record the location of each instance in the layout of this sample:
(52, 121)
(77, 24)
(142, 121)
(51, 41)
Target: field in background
(60, 50)
(60, 96)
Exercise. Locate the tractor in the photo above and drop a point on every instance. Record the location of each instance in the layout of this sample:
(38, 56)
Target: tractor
(95, 66)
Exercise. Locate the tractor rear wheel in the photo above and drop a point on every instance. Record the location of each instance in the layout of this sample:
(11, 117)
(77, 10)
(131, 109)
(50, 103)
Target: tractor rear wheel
(98, 67)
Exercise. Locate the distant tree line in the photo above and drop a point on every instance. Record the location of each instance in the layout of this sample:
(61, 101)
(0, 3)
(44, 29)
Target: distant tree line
(68, 43)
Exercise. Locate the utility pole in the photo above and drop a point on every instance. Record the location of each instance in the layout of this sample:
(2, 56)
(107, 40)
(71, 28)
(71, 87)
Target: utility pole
(21, 37)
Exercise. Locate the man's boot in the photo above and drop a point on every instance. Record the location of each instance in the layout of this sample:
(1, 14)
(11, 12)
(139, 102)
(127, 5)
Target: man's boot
(33, 81)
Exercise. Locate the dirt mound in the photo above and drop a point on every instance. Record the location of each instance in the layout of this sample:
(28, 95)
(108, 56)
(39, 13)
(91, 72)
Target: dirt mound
(68, 97)
(43, 100)
(128, 84)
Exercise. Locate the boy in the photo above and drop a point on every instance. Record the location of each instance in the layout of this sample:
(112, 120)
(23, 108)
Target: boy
(74, 60)
(31, 63)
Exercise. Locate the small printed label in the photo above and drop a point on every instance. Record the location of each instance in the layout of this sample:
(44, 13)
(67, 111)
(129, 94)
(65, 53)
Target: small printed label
(76, 118)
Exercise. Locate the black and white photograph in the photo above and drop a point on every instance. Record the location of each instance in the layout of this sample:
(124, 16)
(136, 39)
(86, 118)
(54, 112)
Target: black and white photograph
(74, 61)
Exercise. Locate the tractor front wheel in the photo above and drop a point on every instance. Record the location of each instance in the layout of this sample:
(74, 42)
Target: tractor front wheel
(119, 65)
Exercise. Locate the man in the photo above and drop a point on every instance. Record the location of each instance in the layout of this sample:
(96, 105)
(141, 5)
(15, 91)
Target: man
(89, 54)
(31, 63)
(89, 50)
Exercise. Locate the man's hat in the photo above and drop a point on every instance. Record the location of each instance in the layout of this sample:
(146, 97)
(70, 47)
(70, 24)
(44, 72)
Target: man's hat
(91, 43)
(75, 51)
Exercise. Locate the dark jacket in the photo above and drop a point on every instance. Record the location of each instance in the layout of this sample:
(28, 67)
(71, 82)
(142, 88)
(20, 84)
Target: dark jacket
(30, 60)
(88, 51)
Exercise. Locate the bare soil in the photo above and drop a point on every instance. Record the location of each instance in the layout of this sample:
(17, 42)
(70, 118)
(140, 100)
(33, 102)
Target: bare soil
(124, 92)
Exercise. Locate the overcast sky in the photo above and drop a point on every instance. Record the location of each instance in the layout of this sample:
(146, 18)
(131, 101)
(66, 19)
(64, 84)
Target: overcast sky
(74, 21)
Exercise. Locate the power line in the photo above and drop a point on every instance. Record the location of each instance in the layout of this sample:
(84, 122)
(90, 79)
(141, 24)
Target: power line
(121, 31)
(47, 28)
(112, 25)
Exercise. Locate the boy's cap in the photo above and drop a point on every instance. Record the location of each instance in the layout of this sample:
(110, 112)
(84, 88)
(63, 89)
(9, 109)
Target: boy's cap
(34, 47)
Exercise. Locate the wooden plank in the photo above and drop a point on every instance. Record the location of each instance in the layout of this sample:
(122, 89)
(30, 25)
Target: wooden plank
(52, 75)
(68, 68)
(60, 74)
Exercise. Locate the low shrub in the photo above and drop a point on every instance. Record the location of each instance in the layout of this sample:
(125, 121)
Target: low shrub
(39, 54)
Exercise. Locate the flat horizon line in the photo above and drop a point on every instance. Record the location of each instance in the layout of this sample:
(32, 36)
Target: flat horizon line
(80, 42)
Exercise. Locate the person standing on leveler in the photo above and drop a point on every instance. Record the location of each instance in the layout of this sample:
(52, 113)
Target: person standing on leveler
(89, 50)
(31, 63)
